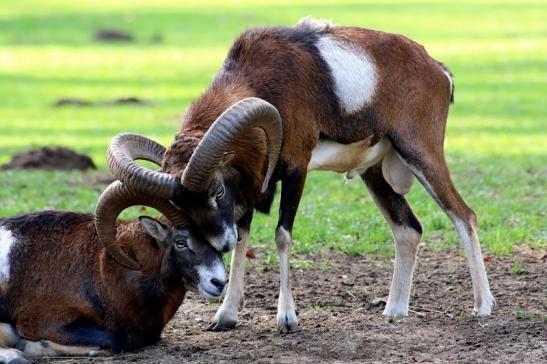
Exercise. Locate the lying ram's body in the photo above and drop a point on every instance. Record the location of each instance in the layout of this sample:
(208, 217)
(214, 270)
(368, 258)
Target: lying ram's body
(57, 282)
(62, 294)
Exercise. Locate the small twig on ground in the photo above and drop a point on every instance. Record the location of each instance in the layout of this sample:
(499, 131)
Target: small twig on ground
(73, 359)
(417, 312)
(431, 310)
(195, 308)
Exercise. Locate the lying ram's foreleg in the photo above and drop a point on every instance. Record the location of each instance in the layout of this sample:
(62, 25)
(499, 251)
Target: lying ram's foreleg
(77, 338)
(45, 348)
(18, 351)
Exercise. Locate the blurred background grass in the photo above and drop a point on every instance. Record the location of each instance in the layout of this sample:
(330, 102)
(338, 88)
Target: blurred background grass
(496, 140)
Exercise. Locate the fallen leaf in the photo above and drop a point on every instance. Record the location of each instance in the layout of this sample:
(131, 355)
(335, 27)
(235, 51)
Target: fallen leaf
(250, 253)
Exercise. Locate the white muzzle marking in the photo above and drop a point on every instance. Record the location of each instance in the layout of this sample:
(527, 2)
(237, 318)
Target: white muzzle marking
(207, 275)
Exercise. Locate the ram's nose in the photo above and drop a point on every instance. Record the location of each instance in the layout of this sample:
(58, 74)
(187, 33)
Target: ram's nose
(219, 284)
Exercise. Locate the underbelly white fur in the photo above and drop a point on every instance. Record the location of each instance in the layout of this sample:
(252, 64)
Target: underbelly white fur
(354, 159)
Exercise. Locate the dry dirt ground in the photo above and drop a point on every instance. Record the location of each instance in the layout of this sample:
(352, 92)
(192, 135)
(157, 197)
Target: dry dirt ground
(340, 324)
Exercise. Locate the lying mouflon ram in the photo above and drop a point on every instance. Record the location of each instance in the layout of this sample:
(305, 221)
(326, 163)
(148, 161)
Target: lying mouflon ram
(316, 96)
(62, 294)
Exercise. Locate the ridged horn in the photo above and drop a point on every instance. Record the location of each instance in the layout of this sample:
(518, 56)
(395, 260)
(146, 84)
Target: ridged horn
(122, 153)
(116, 198)
(248, 113)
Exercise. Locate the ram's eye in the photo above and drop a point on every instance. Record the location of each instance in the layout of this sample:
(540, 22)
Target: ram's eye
(220, 192)
(181, 244)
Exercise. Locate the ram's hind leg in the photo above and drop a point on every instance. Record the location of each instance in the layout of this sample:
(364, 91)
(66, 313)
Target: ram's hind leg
(425, 158)
(407, 232)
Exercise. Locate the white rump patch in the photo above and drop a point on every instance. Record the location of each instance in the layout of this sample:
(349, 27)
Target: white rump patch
(353, 73)
(7, 240)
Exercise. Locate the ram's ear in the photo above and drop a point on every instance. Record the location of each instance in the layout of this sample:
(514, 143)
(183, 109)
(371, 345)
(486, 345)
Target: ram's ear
(226, 158)
(155, 229)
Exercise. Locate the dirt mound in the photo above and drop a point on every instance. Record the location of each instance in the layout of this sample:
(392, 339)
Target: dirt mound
(130, 100)
(111, 35)
(69, 101)
(340, 301)
(50, 158)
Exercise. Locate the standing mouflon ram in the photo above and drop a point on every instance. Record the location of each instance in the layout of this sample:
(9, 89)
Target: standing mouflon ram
(62, 294)
(312, 97)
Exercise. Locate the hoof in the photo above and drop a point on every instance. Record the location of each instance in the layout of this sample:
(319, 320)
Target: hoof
(223, 321)
(222, 326)
(395, 312)
(287, 322)
(486, 308)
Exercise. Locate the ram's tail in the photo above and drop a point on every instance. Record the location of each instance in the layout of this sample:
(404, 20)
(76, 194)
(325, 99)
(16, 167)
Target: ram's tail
(450, 76)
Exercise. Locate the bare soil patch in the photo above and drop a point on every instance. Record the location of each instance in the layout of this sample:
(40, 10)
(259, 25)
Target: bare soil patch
(113, 35)
(339, 307)
(123, 101)
(50, 158)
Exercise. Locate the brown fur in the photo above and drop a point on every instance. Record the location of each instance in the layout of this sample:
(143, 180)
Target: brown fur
(412, 93)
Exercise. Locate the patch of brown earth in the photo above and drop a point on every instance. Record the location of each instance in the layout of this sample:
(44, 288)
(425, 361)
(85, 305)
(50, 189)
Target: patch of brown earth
(50, 158)
(112, 35)
(339, 308)
(131, 101)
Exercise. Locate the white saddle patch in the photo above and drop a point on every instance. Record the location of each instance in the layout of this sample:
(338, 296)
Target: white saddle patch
(352, 71)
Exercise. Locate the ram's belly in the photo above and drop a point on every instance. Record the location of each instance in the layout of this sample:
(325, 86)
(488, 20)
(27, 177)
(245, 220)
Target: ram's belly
(352, 158)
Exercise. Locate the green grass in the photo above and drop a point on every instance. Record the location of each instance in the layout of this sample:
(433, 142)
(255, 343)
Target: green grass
(530, 315)
(496, 142)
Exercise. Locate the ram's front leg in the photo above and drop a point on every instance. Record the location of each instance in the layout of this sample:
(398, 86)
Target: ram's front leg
(226, 316)
(291, 192)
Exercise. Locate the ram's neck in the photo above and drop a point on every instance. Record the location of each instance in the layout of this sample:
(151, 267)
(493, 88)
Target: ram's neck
(221, 94)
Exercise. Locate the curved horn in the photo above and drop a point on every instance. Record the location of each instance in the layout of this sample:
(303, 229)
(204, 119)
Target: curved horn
(247, 113)
(124, 149)
(116, 198)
